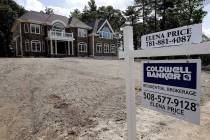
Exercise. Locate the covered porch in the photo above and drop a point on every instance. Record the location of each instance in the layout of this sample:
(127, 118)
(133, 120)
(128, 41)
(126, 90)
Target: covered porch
(60, 44)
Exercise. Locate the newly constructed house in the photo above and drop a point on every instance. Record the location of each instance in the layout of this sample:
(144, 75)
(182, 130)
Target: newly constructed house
(40, 34)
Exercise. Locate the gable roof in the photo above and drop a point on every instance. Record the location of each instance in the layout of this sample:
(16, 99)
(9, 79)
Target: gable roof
(104, 23)
(43, 18)
(75, 22)
(100, 23)
(94, 25)
(97, 25)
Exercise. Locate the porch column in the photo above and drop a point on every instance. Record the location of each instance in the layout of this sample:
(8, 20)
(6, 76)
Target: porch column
(72, 47)
(56, 48)
(16, 47)
(68, 49)
(51, 47)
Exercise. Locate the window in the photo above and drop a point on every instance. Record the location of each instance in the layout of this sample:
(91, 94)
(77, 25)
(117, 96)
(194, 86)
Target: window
(106, 48)
(59, 27)
(82, 32)
(26, 28)
(27, 45)
(112, 49)
(35, 29)
(82, 47)
(35, 46)
(98, 48)
(106, 35)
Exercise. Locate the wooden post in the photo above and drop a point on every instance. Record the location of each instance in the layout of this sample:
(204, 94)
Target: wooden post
(72, 46)
(68, 49)
(130, 83)
(51, 47)
(56, 47)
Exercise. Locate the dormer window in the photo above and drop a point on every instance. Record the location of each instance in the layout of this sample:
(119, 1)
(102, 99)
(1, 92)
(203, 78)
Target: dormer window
(82, 32)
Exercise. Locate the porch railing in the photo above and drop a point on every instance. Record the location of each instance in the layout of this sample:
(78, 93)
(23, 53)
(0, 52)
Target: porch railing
(56, 34)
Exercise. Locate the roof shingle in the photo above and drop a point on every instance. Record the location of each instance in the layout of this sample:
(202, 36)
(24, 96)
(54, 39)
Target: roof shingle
(48, 19)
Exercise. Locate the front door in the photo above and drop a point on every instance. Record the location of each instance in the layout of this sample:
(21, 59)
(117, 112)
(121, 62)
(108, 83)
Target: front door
(61, 48)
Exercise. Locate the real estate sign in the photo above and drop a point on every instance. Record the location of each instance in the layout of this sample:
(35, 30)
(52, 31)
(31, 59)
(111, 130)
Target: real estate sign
(172, 87)
(173, 37)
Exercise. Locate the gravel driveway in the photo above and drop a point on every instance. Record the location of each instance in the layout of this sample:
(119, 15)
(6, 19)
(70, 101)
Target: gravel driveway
(81, 99)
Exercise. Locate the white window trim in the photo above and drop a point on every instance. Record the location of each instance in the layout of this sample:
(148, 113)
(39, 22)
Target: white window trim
(35, 26)
(110, 27)
(36, 42)
(82, 50)
(27, 42)
(26, 25)
(113, 48)
(83, 32)
(107, 48)
(99, 50)
(103, 36)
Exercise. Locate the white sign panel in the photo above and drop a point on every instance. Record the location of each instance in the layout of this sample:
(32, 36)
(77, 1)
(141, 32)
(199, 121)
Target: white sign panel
(173, 37)
(172, 87)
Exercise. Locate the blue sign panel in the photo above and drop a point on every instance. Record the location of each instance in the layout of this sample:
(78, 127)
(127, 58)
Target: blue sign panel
(171, 74)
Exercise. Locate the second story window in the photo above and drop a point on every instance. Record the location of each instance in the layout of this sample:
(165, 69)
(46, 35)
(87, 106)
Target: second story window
(35, 29)
(106, 35)
(26, 28)
(82, 32)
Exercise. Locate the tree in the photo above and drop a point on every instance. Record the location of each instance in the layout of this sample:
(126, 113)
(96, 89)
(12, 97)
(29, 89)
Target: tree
(114, 16)
(158, 15)
(86, 15)
(8, 15)
(132, 14)
(171, 13)
(92, 5)
(49, 11)
(91, 12)
(76, 13)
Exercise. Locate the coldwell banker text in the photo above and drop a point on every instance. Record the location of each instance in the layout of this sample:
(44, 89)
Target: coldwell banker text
(173, 74)
(167, 73)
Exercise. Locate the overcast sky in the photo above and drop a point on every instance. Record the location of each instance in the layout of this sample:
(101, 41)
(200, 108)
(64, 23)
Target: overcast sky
(63, 7)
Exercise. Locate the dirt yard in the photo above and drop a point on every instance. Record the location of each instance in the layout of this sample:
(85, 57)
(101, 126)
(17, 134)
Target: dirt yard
(82, 99)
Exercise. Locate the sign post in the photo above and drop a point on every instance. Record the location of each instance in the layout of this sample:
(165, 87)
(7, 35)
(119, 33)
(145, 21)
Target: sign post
(130, 85)
(181, 98)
